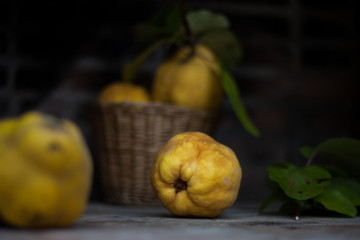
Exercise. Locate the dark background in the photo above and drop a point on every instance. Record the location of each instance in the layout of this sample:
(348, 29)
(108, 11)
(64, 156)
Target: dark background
(299, 75)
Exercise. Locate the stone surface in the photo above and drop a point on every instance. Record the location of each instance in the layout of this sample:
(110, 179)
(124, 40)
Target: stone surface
(104, 221)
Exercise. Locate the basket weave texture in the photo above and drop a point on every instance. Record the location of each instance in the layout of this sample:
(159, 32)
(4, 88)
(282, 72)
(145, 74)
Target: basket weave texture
(128, 138)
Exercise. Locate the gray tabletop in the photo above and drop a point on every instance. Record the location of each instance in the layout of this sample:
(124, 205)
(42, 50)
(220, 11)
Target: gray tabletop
(241, 221)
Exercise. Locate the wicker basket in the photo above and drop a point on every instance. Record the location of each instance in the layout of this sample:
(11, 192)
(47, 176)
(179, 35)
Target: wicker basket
(128, 138)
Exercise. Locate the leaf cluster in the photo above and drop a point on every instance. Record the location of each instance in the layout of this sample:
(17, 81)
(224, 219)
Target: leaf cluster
(330, 187)
(205, 26)
(178, 25)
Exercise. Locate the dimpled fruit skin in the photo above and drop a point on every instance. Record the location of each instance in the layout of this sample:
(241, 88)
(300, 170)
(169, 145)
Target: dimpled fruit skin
(117, 92)
(193, 175)
(45, 171)
(189, 80)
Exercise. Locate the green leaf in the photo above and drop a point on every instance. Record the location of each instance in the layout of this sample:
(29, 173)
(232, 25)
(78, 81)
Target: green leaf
(344, 152)
(300, 183)
(165, 22)
(173, 19)
(348, 187)
(202, 21)
(230, 87)
(306, 151)
(225, 45)
(130, 70)
(334, 200)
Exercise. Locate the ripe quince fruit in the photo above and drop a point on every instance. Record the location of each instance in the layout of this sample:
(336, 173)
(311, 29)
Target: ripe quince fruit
(7, 127)
(194, 175)
(191, 78)
(116, 92)
(45, 171)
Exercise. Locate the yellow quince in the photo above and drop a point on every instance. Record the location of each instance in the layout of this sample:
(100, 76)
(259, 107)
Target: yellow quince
(45, 171)
(7, 127)
(191, 78)
(116, 92)
(194, 175)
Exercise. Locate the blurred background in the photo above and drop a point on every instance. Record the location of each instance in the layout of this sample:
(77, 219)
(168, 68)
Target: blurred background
(299, 74)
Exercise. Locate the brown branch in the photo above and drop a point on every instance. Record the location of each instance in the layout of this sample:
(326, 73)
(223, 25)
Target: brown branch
(188, 34)
(311, 159)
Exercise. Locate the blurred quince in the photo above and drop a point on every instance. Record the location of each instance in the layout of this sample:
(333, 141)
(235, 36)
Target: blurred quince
(190, 78)
(116, 92)
(45, 171)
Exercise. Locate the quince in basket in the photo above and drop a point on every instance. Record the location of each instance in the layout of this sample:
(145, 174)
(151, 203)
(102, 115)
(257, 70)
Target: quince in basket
(117, 92)
(190, 78)
(45, 171)
(194, 175)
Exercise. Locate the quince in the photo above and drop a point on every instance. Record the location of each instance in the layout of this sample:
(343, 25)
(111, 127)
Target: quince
(7, 127)
(119, 92)
(190, 78)
(45, 171)
(194, 175)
